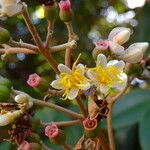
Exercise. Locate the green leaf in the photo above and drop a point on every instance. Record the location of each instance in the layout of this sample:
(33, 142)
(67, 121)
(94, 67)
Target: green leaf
(5, 145)
(144, 131)
(129, 109)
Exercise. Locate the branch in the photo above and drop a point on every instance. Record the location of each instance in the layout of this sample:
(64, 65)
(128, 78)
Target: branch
(16, 51)
(23, 45)
(64, 123)
(38, 42)
(50, 29)
(72, 44)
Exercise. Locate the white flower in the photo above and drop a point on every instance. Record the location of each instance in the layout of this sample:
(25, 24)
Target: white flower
(10, 7)
(135, 52)
(9, 117)
(108, 75)
(71, 81)
(119, 35)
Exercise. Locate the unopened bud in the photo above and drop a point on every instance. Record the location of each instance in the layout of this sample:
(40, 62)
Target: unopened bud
(119, 35)
(11, 7)
(135, 52)
(4, 35)
(55, 134)
(100, 47)
(4, 93)
(65, 10)
(37, 83)
(9, 117)
(5, 82)
(51, 11)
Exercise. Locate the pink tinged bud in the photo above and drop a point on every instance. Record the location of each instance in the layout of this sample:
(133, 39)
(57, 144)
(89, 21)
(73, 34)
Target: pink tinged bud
(34, 80)
(52, 131)
(90, 125)
(102, 45)
(65, 4)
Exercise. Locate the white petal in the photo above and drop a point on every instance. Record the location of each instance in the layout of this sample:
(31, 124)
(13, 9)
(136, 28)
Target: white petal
(101, 60)
(81, 68)
(119, 35)
(63, 68)
(73, 93)
(135, 52)
(91, 74)
(119, 64)
(116, 48)
(56, 84)
(85, 85)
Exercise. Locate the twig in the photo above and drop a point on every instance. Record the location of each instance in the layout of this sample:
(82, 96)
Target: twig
(81, 106)
(64, 123)
(66, 146)
(38, 42)
(103, 142)
(110, 129)
(71, 36)
(16, 51)
(57, 108)
(50, 29)
(72, 44)
(23, 45)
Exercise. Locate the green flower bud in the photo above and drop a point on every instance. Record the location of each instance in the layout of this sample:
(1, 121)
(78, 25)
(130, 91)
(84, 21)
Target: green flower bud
(4, 93)
(4, 35)
(51, 11)
(5, 82)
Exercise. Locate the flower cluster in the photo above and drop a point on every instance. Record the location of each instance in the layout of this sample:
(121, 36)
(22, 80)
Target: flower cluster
(105, 75)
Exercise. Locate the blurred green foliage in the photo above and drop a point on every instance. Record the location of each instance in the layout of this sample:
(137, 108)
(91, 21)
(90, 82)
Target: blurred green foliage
(131, 114)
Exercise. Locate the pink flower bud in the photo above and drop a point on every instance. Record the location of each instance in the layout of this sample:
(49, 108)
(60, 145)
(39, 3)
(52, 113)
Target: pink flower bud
(52, 131)
(89, 125)
(102, 45)
(64, 4)
(34, 80)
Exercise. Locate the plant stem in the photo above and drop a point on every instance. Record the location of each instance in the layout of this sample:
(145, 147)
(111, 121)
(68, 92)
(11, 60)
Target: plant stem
(23, 45)
(15, 50)
(71, 36)
(38, 42)
(72, 44)
(57, 108)
(103, 142)
(50, 29)
(81, 106)
(66, 146)
(64, 123)
(110, 129)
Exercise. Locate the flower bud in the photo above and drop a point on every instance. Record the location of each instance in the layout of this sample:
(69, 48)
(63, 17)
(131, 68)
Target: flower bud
(4, 35)
(4, 93)
(11, 7)
(9, 117)
(119, 35)
(134, 53)
(55, 134)
(90, 127)
(37, 83)
(65, 10)
(100, 47)
(29, 146)
(5, 82)
(51, 10)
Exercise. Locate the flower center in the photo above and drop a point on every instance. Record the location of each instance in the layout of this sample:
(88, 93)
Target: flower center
(108, 76)
(73, 80)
